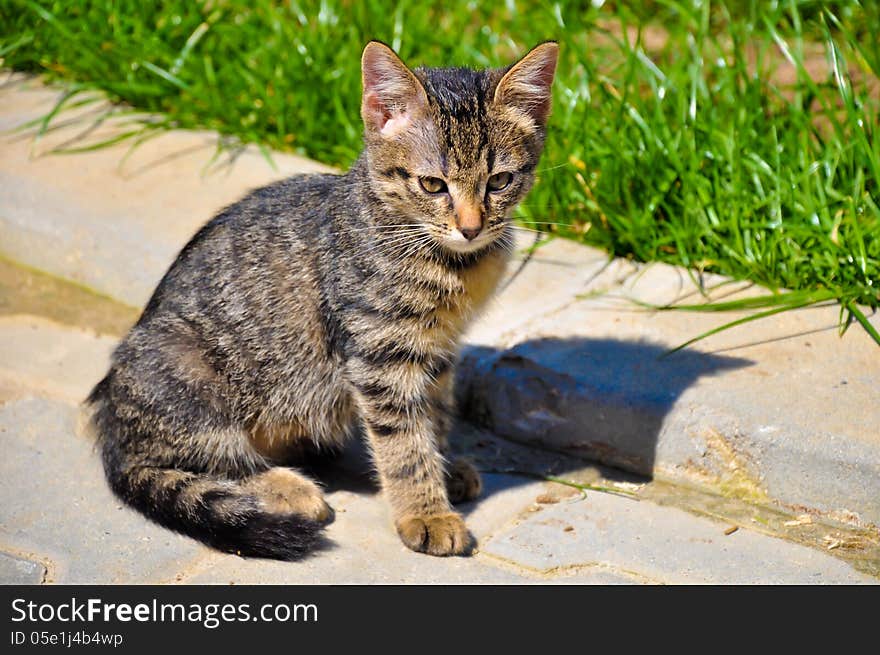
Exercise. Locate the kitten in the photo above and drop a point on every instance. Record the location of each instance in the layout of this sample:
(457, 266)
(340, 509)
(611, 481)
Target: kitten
(326, 302)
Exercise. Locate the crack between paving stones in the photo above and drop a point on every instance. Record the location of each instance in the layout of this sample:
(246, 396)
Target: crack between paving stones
(557, 571)
(50, 568)
(199, 564)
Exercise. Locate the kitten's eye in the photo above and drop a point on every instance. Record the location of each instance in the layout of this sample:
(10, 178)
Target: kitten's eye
(432, 184)
(499, 181)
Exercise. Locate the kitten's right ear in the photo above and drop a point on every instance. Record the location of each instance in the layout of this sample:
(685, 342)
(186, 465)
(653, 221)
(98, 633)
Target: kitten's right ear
(392, 94)
(526, 86)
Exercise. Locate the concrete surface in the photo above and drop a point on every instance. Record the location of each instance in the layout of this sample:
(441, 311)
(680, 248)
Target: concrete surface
(657, 544)
(14, 570)
(780, 414)
(39, 354)
(782, 409)
(117, 223)
(59, 523)
(63, 510)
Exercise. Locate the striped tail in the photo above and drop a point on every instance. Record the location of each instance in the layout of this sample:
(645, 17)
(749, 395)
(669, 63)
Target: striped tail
(232, 515)
(220, 513)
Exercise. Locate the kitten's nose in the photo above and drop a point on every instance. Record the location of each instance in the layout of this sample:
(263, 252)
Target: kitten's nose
(469, 233)
(468, 219)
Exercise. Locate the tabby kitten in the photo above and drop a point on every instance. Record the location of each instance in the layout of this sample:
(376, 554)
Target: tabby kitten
(325, 302)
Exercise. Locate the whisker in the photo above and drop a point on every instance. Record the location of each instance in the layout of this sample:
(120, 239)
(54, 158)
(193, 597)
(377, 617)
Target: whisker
(378, 231)
(390, 247)
(526, 229)
(388, 226)
(550, 168)
(526, 220)
(388, 244)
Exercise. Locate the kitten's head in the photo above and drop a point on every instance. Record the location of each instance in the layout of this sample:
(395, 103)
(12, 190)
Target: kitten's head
(454, 149)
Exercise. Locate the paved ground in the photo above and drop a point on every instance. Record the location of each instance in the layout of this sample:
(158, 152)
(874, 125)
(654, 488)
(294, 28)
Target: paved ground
(772, 430)
(59, 523)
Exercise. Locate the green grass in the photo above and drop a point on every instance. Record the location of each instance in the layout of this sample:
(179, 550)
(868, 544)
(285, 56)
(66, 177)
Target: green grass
(676, 145)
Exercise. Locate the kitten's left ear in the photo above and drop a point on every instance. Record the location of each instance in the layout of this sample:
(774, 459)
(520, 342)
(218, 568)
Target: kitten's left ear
(392, 93)
(526, 86)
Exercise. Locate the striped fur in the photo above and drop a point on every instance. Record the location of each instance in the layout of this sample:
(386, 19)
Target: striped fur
(321, 304)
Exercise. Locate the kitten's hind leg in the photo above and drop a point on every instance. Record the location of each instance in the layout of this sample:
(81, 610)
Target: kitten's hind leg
(249, 517)
(285, 491)
(263, 512)
(462, 481)
(462, 478)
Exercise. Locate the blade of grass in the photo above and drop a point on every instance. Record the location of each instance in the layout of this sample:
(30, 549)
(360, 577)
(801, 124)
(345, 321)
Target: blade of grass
(583, 487)
(792, 298)
(592, 487)
(861, 318)
(732, 324)
(165, 75)
(103, 143)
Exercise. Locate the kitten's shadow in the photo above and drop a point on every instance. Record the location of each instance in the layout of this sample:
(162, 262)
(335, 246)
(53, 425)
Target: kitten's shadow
(350, 469)
(603, 400)
(553, 406)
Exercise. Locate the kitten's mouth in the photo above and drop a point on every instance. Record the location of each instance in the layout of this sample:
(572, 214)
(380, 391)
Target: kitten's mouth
(457, 242)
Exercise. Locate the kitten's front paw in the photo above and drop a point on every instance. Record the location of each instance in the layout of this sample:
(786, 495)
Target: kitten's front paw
(462, 481)
(437, 534)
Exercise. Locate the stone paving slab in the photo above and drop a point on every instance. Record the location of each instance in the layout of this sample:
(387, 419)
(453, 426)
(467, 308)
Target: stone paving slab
(662, 544)
(540, 281)
(114, 218)
(56, 505)
(39, 355)
(783, 409)
(64, 514)
(15, 570)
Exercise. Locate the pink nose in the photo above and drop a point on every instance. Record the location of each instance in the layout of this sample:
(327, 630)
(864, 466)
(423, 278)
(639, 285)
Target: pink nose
(469, 220)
